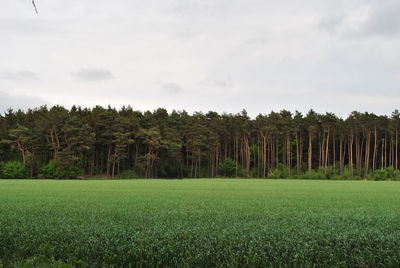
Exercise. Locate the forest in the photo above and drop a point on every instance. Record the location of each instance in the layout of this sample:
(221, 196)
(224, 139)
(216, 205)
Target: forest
(56, 143)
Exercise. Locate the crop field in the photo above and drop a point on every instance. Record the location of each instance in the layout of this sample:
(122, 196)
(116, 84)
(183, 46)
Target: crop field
(199, 223)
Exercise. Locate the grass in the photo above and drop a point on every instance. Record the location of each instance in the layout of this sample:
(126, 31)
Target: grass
(202, 223)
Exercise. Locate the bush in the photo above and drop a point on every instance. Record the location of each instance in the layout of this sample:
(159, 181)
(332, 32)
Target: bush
(228, 167)
(390, 172)
(243, 173)
(380, 175)
(13, 170)
(48, 171)
(128, 174)
(281, 172)
(383, 174)
(53, 170)
(70, 172)
(313, 175)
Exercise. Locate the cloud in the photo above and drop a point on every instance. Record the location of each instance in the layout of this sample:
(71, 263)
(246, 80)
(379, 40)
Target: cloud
(93, 74)
(256, 41)
(250, 50)
(172, 88)
(364, 20)
(331, 24)
(186, 34)
(20, 101)
(213, 83)
(21, 76)
(384, 19)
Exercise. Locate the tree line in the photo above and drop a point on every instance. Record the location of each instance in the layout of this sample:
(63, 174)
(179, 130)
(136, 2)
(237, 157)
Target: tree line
(57, 142)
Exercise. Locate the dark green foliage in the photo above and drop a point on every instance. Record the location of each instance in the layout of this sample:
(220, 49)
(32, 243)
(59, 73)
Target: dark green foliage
(387, 173)
(55, 170)
(48, 171)
(280, 172)
(228, 167)
(13, 170)
(128, 174)
(176, 145)
(313, 175)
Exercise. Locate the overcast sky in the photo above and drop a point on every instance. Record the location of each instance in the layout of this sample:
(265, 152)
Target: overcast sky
(201, 55)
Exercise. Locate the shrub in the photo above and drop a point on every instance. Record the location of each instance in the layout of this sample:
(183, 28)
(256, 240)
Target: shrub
(244, 173)
(346, 174)
(313, 175)
(281, 172)
(128, 174)
(278, 174)
(383, 174)
(48, 171)
(380, 175)
(13, 170)
(53, 170)
(228, 167)
(70, 172)
(390, 172)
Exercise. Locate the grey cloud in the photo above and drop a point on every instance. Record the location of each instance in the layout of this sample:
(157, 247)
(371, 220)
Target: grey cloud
(93, 74)
(20, 101)
(384, 19)
(172, 88)
(187, 7)
(256, 41)
(249, 49)
(21, 76)
(221, 84)
(331, 24)
(35, 28)
(209, 82)
(186, 34)
(204, 8)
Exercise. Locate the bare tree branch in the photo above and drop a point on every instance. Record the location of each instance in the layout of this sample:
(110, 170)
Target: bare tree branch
(34, 5)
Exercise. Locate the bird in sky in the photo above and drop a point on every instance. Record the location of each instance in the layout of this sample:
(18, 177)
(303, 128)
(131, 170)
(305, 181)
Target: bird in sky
(34, 5)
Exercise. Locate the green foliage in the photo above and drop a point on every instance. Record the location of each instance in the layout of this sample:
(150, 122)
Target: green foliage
(199, 223)
(346, 173)
(53, 170)
(1, 173)
(228, 167)
(128, 174)
(380, 175)
(169, 145)
(13, 170)
(49, 171)
(281, 172)
(386, 173)
(243, 173)
(313, 175)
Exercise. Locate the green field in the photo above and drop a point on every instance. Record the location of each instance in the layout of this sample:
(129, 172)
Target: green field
(207, 222)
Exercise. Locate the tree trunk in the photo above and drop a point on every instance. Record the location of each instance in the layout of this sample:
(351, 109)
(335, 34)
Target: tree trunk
(341, 156)
(327, 153)
(367, 150)
(309, 161)
(375, 151)
(108, 159)
(351, 163)
(297, 154)
(396, 151)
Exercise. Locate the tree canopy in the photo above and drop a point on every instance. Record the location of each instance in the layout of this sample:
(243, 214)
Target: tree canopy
(160, 144)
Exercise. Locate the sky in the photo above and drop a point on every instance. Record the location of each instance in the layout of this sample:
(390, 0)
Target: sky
(201, 55)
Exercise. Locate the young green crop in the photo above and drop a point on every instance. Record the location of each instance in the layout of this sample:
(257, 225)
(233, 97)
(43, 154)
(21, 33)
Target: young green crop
(175, 223)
